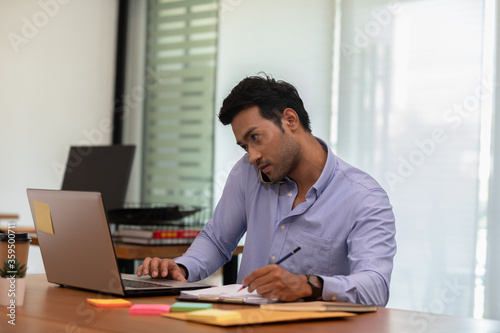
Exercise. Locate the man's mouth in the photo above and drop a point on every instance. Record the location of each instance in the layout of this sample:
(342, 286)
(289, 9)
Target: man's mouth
(264, 168)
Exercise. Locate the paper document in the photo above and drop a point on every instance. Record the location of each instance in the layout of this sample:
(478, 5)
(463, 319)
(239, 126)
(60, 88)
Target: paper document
(320, 306)
(254, 316)
(226, 294)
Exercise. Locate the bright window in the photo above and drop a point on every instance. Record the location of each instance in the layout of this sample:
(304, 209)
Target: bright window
(414, 92)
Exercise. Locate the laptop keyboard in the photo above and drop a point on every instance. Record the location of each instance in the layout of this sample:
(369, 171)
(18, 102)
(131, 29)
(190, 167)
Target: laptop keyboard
(142, 284)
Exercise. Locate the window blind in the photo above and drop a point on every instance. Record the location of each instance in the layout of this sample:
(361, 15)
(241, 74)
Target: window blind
(179, 106)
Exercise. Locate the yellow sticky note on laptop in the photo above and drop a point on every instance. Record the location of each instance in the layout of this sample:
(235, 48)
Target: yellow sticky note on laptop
(43, 219)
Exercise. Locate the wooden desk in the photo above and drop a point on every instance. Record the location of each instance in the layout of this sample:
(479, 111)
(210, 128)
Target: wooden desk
(49, 308)
(8, 216)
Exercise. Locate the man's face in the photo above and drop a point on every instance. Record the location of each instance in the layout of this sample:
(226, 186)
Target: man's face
(273, 150)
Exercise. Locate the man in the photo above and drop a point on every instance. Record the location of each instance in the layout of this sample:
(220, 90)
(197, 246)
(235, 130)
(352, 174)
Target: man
(290, 190)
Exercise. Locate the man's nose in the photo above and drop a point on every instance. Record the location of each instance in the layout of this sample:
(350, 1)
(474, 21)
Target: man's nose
(254, 155)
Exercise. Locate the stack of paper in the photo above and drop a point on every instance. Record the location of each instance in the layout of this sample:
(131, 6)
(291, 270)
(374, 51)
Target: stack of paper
(320, 306)
(227, 294)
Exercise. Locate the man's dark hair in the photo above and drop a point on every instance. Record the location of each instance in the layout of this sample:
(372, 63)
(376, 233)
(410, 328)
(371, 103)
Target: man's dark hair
(271, 96)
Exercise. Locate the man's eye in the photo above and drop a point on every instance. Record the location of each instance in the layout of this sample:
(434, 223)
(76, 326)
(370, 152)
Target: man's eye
(254, 137)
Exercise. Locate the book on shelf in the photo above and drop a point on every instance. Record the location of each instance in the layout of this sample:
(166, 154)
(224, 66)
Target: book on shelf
(155, 241)
(158, 234)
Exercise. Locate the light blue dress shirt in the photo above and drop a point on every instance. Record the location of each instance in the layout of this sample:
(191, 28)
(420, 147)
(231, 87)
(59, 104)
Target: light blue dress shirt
(345, 228)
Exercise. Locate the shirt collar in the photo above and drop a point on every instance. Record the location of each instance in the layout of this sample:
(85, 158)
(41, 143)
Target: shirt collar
(328, 170)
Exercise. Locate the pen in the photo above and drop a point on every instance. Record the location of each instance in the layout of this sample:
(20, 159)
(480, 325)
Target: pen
(287, 256)
(280, 261)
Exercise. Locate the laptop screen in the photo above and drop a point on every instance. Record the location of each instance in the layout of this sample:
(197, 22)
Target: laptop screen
(104, 169)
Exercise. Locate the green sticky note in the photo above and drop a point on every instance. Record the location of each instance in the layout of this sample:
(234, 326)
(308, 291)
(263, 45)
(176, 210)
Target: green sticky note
(186, 307)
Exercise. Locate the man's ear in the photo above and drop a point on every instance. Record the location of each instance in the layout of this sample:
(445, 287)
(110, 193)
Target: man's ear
(290, 119)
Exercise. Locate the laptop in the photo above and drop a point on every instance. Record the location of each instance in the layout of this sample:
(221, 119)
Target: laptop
(104, 169)
(77, 247)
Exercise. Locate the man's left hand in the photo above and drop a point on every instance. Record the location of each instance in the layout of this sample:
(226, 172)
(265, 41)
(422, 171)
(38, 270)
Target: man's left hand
(272, 281)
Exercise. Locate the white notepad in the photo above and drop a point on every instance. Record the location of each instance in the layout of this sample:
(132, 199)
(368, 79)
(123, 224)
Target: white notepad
(225, 294)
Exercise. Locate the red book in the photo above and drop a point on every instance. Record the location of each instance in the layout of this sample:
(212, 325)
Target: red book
(158, 234)
(175, 233)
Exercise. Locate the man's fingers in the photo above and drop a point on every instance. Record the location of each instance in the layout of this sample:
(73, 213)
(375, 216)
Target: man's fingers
(144, 268)
(252, 277)
(261, 277)
(176, 273)
(160, 268)
(164, 267)
(154, 267)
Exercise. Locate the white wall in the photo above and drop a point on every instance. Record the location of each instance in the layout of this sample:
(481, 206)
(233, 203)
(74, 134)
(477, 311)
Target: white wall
(288, 39)
(56, 90)
(56, 86)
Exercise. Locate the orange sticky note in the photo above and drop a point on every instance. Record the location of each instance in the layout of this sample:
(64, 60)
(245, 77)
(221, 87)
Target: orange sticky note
(109, 303)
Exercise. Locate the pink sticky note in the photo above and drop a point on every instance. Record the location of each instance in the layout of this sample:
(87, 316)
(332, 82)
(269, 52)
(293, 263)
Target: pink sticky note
(149, 309)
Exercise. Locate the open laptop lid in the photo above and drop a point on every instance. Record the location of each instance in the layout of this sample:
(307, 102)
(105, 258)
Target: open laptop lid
(74, 239)
(104, 169)
(76, 245)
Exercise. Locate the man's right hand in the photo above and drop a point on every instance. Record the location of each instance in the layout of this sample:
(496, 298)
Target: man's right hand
(161, 268)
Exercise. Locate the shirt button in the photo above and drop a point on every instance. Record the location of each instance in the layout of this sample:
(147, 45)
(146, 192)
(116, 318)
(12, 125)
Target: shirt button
(273, 258)
(290, 194)
(282, 227)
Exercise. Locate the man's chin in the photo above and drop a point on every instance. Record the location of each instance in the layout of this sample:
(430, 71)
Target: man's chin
(275, 178)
